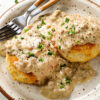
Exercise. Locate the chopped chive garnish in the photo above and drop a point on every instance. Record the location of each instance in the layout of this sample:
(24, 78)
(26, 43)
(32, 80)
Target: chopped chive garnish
(39, 26)
(78, 42)
(73, 29)
(15, 37)
(50, 53)
(62, 24)
(67, 20)
(49, 33)
(60, 40)
(39, 50)
(41, 59)
(62, 66)
(62, 85)
(67, 80)
(53, 29)
(66, 27)
(16, 1)
(22, 38)
(43, 36)
(59, 47)
(47, 38)
(31, 54)
(26, 30)
(40, 46)
(22, 52)
(43, 22)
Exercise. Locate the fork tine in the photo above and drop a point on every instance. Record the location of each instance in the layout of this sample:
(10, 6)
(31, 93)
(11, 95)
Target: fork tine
(5, 31)
(7, 36)
(7, 26)
(13, 27)
(17, 31)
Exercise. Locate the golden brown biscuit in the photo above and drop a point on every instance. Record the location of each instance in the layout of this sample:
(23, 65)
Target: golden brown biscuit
(82, 53)
(18, 75)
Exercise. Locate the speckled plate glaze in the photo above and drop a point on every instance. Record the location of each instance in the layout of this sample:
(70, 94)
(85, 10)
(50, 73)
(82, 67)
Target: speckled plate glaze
(19, 91)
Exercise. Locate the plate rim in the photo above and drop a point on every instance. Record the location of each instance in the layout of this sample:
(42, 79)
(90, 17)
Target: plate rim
(5, 94)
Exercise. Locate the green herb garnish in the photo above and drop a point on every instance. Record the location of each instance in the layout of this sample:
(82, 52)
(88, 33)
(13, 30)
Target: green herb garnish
(39, 26)
(47, 38)
(67, 80)
(26, 30)
(62, 85)
(78, 42)
(40, 46)
(31, 54)
(67, 20)
(43, 22)
(16, 1)
(23, 52)
(39, 50)
(49, 33)
(15, 37)
(43, 36)
(59, 47)
(62, 24)
(66, 27)
(41, 59)
(22, 38)
(50, 53)
(72, 29)
(53, 29)
(60, 40)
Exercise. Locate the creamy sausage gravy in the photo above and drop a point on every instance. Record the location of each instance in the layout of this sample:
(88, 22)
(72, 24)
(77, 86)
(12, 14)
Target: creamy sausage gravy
(36, 50)
(76, 30)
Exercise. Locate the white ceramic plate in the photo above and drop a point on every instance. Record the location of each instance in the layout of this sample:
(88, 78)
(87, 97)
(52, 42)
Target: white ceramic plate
(15, 90)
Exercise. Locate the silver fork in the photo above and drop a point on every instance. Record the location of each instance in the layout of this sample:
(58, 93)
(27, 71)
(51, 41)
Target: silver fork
(15, 26)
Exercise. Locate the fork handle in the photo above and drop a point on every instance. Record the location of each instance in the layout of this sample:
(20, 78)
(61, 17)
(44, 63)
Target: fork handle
(35, 5)
(37, 11)
(47, 5)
